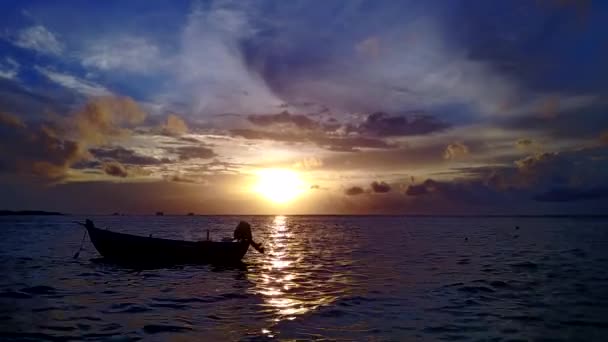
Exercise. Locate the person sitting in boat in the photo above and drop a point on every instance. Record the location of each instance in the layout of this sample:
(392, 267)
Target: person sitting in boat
(89, 224)
(243, 233)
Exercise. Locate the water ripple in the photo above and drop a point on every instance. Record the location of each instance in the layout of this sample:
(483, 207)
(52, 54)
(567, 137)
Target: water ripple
(325, 278)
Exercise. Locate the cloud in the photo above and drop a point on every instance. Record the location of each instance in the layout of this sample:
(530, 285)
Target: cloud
(412, 65)
(115, 169)
(327, 141)
(581, 168)
(39, 39)
(354, 191)
(573, 121)
(308, 163)
(9, 68)
(126, 156)
(604, 137)
(214, 167)
(48, 149)
(465, 191)
(186, 178)
(370, 47)
(571, 195)
(210, 73)
(105, 117)
(74, 83)
(417, 189)
(335, 136)
(174, 126)
(456, 150)
(35, 150)
(548, 172)
(297, 120)
(11, 120)
(396, 159)
(524, 143)
(539, 162)
(32, 100)
(193, 152)
(133, 54)
(380, 187)
(384, 125)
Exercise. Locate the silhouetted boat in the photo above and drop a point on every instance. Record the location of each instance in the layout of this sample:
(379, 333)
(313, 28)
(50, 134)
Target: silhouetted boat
(140, 250)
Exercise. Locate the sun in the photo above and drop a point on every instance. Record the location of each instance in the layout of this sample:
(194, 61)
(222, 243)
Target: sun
(279, 185)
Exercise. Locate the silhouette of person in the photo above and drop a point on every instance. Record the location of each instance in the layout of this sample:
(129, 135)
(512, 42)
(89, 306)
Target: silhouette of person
(89, 224)
(243, 233)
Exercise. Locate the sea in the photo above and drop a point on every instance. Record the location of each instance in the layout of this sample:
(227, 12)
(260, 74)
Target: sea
(329, 278)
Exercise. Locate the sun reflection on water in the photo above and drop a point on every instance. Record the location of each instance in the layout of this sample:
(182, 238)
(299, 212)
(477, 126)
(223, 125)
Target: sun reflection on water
(285, 283)
(276, 271)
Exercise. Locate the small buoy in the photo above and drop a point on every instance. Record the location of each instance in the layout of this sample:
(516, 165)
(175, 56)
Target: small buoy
(466, 239)
(516, 227)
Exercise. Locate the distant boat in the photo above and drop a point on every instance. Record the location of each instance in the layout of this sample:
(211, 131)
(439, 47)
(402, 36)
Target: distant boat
(140, 250)
(160, 213)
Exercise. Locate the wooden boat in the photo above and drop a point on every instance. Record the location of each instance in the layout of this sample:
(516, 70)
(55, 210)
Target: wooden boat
(140, 250)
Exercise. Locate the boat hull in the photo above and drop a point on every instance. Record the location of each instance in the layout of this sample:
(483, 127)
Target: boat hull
(140, 250)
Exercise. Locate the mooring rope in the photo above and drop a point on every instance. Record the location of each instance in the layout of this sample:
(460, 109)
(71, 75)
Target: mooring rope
(81, 243)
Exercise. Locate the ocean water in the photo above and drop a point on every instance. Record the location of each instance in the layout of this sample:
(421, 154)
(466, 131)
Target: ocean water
(322, 278)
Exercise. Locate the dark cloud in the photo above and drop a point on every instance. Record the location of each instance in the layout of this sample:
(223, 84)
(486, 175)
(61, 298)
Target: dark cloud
(545, 168)
(333, 135)
(193, 152)
(87, 164)
(115, 169)
(48, 149)
(189, 139)
(532, 49)
(417, 189)
(297, 120)
(396, 159)
(471, 191)
(351, 144)
(185, 178)
(550, 176)
(583, 121)
(9, 120)
(570, 194)
(380, 187)
(384, 125)
(354, 191)
(604, 137)
(524, 143)
(330, 142)
(126, 156)
(33, 101)
(37, 150)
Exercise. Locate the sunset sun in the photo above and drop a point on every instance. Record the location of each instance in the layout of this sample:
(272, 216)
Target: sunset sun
(279, 185)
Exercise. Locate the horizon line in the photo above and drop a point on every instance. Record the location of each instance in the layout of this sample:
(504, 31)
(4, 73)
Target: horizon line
(56, 213)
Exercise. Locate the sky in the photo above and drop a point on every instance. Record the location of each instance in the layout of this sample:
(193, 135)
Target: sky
(336, 107)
